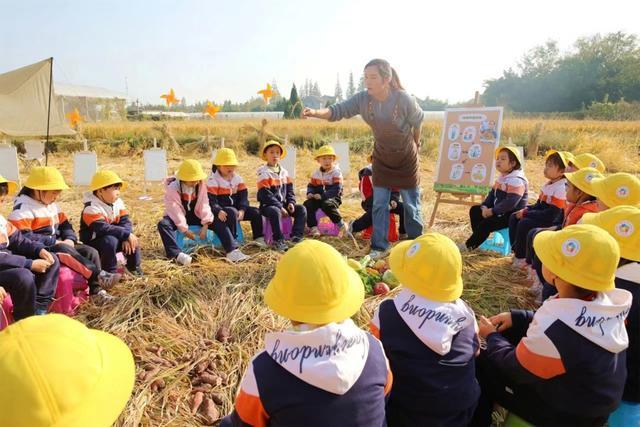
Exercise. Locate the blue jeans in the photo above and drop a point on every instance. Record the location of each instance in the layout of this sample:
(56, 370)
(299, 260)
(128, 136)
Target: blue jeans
(412, 215)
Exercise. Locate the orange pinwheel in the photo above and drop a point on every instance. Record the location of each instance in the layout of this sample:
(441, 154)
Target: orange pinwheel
(211, 109)
(74, 118)
(170, 98)
(267, 93)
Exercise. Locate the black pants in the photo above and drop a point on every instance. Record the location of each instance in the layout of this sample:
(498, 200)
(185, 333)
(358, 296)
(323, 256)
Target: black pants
(328, 206)
(482, 227)
(82, 259)
(252, 215)
(167, 230)
(366, 219)
(521, 399)
(273, 214)
(227, 231)
(108, 246)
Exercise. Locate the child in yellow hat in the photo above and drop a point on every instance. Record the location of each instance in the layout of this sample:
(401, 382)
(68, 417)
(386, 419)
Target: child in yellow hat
(580, 200)
(324, 190)
(28, 272)
(429, 335)
(186, 203)
(548, 207)
(37, 215)
(565, 363)
(57, 372)
(277, 196)
(105, 223)
(617, 189)
(229, 199)
(509, 194)
(623, 224)
(324, 370)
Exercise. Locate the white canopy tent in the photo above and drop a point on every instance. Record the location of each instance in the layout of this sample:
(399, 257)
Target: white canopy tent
(25, 102)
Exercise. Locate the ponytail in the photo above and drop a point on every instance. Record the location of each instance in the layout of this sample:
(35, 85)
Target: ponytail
(395, 80)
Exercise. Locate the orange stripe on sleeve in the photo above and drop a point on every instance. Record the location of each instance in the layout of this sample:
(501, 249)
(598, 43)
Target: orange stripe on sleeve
(250, 409)
(389, 384)
(375, 331)
(558, 202)
(91, 218)
(541, 366)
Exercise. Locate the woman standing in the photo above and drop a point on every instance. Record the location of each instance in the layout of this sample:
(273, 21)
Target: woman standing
(396, 121)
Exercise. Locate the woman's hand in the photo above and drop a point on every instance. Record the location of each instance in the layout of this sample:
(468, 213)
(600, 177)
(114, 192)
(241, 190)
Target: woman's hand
(309, 112)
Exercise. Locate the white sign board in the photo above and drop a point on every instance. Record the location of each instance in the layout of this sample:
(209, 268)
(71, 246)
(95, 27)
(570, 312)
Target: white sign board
(85, 165)
(342, 151)
(9, 163)
(155, 164)
(289, 162)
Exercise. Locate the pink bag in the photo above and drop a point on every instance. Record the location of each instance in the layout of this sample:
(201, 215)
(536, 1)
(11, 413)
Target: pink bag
(6, 312)
(72, 290)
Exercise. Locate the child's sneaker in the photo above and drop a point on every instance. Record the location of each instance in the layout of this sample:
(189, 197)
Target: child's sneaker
(296, 239)
(280, 246)
(315, 232)
(260, 242)
(40, 312)
(376, 254)
(137, 272)
(403, 236)
(108, 280)
(183, 259)
(102, 297)
(237, 256)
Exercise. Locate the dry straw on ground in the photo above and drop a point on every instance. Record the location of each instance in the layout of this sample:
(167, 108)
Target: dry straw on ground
(176, 320)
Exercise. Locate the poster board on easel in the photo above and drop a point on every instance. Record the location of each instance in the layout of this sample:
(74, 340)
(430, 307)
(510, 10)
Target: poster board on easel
(465, 166)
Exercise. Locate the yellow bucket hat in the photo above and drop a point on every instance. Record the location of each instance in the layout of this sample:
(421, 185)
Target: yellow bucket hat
(588, 160)
(314, 284)
(225, 157)
(12, 185)
(46, 178)
(190, 170)
(326, 150)
(105, 178)
(582, 179)
(583, 255)
(269, 144)
(512, 149)
(623, 223)
(430, 266)
(618, 189)
(57, 372)
(565, 156)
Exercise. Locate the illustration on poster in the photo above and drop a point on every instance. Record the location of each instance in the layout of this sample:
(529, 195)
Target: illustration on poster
(454, 132)
(454, 151)
(475, 151)
(469, 134)
(488, 129)
(456, 172)
(478, 173)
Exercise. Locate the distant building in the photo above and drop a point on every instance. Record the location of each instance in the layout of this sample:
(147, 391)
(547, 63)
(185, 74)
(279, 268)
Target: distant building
(95, 104)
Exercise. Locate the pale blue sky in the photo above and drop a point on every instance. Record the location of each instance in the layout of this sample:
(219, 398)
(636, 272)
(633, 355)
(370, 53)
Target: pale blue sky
(217, 50)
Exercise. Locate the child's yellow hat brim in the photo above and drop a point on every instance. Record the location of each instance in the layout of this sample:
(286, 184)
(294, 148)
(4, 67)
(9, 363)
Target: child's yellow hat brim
(12, 186)
(583, 178)
(617, 189)
(430, 266)
(314, 284)
(225, 157)
(272, 143)
(583, 255)
(623, 224)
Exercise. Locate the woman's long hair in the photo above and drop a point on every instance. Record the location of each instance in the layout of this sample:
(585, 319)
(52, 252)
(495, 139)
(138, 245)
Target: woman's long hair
(386, 70)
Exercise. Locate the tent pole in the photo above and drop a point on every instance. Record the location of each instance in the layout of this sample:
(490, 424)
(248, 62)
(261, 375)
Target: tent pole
(46, 150)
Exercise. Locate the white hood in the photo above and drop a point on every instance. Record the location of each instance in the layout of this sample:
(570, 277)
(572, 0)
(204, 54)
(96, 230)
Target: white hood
(434, 323)
(331, 357)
